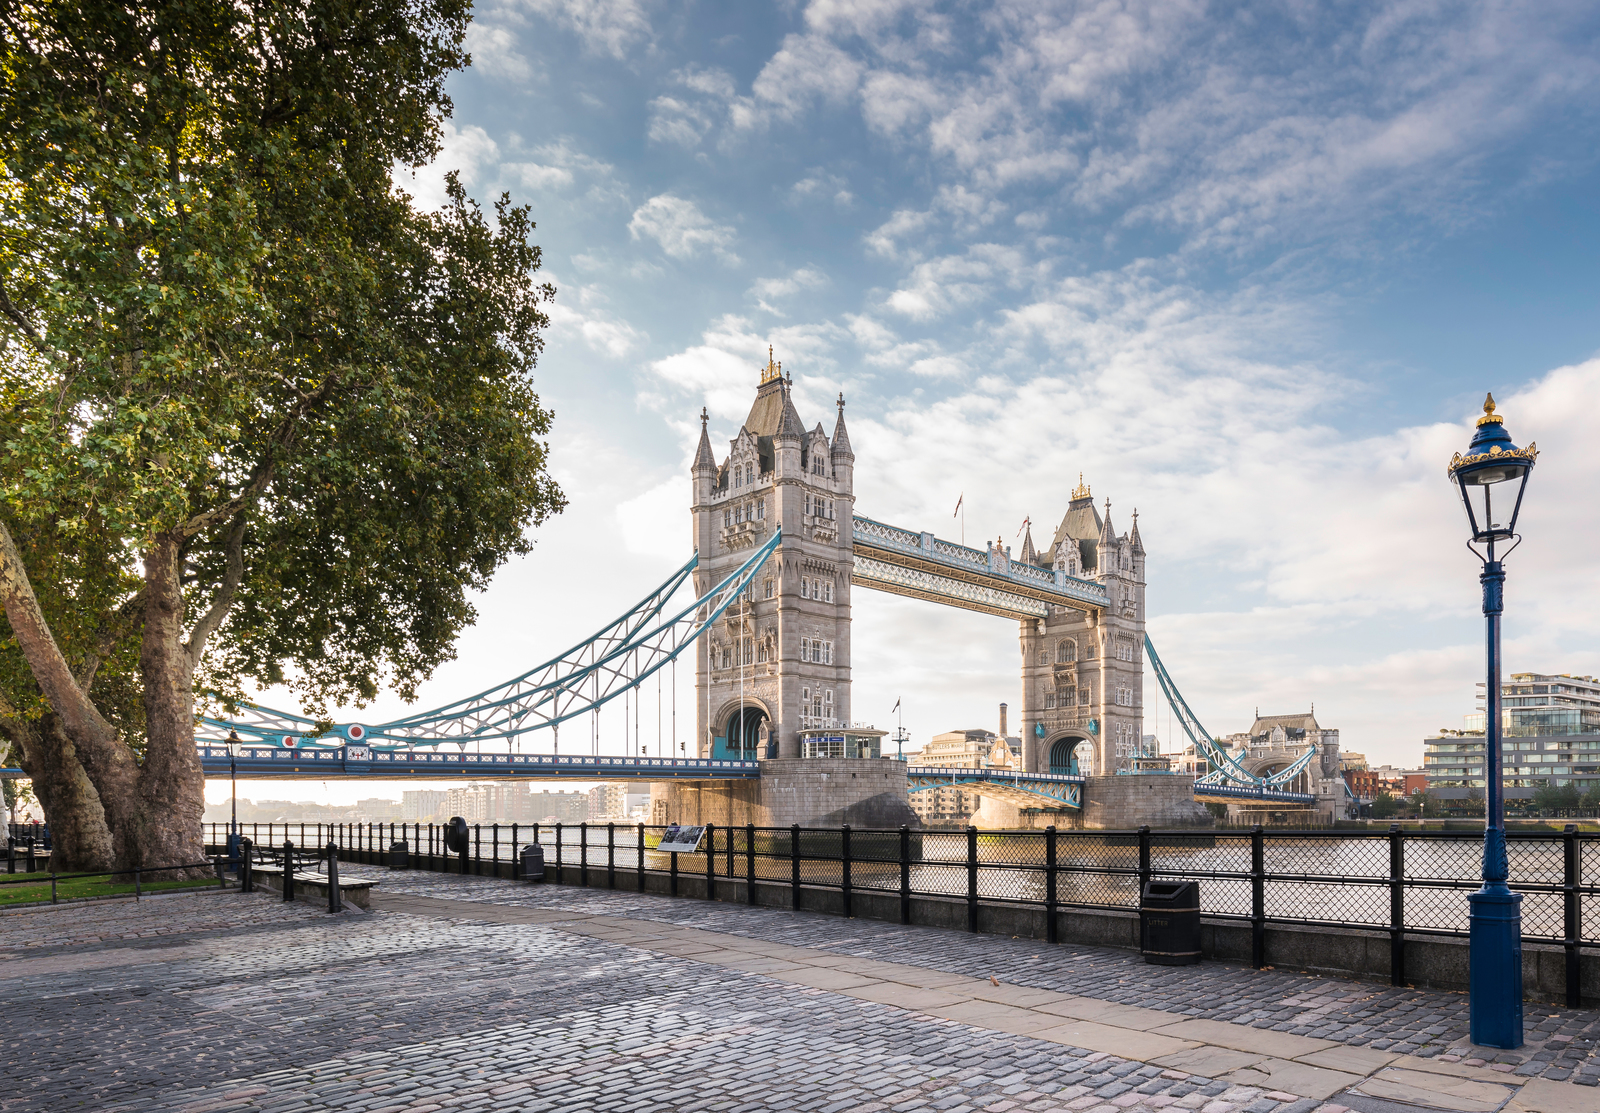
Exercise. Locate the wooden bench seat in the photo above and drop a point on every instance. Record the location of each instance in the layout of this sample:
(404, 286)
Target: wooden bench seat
(312, 888)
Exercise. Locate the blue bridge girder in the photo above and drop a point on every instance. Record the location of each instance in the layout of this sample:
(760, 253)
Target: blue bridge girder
(922, 566)
(1235, 794)
(1026, 790)
(318, 763)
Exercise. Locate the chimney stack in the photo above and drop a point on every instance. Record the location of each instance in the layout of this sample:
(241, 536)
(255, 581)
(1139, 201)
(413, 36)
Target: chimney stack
(1002, 721)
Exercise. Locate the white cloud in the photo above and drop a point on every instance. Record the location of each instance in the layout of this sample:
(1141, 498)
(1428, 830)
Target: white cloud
(677, 121)
(682, 230)
(606, 26)
(494, 52)
(822, 183)
(468, 150)
(774, 289)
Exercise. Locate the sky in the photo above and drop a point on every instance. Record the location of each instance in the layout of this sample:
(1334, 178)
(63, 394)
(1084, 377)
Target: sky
(1249, 268)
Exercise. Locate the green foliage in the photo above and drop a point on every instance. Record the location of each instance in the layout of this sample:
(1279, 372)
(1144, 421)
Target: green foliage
(1424, 805)
(1385, 806)
(1217, 810)
(217, 306)
(1551, 797)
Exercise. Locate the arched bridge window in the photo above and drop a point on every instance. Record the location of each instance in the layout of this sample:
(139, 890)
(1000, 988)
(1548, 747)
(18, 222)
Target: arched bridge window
(1066, 652)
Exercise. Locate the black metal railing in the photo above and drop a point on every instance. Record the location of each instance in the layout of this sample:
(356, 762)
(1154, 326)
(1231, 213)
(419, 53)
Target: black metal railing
(136, 875)
(1403, 883)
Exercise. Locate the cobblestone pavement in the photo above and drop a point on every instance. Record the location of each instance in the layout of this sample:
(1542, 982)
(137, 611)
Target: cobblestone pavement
(206, 1003)
(1561, 1043)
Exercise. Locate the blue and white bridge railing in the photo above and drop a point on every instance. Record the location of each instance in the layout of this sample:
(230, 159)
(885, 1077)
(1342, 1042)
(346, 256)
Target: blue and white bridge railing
(362, 761)
(1024, 790)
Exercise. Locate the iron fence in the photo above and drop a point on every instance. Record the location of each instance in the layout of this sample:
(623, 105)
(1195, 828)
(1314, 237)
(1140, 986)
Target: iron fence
(1404, 883)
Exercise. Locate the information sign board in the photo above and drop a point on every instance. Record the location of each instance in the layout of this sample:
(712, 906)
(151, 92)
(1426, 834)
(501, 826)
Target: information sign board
(682, 839)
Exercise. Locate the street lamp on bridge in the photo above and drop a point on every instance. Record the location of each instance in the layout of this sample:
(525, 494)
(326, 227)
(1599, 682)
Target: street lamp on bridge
(233, 745)
(1485, 475)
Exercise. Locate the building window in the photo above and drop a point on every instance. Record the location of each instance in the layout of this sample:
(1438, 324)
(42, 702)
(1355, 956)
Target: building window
(1049, 700)
(727, 658)
(805, 588)
(1083, 697)
(727, 517)
(738, 513)
(1044, 656)
(767, 588)
(827, 591)
(761, 509)
(827, 653)
(805, 649)
(827, 703)
(761, 653)
(1067, 652)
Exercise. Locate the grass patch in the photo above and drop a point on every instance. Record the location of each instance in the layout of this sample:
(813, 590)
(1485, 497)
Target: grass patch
(77, 888)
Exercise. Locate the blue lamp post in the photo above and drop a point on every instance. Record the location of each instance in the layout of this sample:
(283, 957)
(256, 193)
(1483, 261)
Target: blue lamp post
(1494, 470)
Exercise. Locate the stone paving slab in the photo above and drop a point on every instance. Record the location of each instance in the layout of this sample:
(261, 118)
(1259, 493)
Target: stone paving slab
(1562, 1044)
(567, 1003)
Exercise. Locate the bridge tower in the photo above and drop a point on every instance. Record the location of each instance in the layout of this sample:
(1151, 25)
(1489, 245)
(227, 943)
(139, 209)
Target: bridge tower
(1083, 670)
(779, 661)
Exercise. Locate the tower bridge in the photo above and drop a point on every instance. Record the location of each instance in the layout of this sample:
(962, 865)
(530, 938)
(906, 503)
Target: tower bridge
(778, 551)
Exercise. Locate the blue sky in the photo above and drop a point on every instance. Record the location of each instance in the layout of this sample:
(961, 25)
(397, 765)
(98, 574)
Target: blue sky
(1250, 268)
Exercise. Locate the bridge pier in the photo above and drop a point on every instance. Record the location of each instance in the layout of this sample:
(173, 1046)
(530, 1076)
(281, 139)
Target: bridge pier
(1115, 802)
(815, 792)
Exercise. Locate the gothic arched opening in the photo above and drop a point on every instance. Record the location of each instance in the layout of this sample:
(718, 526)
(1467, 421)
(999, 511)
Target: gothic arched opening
(744, 733)
(1071, 757)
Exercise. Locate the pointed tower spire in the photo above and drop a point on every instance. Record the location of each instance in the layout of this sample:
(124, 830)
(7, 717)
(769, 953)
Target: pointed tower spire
(1030, 555)
(841, 437)
(703, 457)
(1133, 539)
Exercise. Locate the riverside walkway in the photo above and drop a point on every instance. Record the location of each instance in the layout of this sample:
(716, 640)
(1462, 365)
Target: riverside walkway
(474, 993)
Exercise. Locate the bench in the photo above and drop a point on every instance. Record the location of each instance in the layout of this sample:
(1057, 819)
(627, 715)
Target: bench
(312, 888)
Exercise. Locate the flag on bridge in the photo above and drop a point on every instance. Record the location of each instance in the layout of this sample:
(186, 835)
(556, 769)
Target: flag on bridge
(895, 708)
(957, 510)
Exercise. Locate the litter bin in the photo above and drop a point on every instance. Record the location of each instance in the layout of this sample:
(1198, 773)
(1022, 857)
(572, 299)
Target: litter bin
(533, 863)
(397, 854)
(1169, 922)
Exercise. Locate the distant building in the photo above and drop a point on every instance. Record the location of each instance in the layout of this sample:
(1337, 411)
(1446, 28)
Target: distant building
(973, 748)
(1550, 736)
(619, 802)
(420, 805)
(556, 807)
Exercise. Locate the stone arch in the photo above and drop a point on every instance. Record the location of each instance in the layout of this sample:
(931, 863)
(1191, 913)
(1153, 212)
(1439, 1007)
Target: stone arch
(1067, 755)
(738, 729)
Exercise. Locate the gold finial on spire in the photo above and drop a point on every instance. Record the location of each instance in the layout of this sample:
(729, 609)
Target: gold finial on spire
(1081, 491)
(1489, 416)
(772, 370)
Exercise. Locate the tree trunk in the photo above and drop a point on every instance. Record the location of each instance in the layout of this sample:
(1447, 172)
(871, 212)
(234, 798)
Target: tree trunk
(164, 827)
(80, 839)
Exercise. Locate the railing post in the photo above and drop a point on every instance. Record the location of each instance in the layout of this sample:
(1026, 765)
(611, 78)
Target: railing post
(1258, 898)
(516, 862)
(494, 848)
(288, 869)
(641, 857)
(53, 886)
(477, 850)
(138, 889)
(905, 874)
(611, 855)
(1397, 906)
(1144, 859)
(794, 866)
(561, 865)
(972, 878)
(334, 903)
(247, 877)
(749, 863)
(583, 854)
(674, 888)
(844, 866)
(711, 861)
(1051, 929)
(1573, 872)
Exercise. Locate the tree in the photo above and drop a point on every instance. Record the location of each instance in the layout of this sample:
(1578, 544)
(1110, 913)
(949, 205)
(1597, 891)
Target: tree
(264, 422)
(1549, 798)
(1385, 806)
(1424, 805)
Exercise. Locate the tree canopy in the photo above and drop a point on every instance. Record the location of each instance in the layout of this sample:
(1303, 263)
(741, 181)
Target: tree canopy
(263, 421)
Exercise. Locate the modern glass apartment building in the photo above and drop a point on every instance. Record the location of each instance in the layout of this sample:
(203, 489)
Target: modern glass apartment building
(1550, 728)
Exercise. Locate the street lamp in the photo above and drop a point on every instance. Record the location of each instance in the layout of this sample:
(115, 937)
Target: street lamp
(233, 777)
(1492, 463)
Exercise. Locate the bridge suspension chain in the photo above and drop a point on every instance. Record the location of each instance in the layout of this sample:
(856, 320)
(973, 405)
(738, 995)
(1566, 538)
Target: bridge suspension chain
(1225, 768)
(617, 659)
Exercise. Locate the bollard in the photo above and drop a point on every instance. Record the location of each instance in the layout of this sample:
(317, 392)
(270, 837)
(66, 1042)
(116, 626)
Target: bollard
(288, 870)
(334, 903)
(247, 874)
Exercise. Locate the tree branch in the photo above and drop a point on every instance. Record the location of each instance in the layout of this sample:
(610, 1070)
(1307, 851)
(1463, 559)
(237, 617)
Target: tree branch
(106, 638)
(225, 594)
(50, 669)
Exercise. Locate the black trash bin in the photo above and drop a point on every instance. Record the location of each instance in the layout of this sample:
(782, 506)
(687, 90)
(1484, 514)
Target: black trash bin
(533, 863)
(398, 858)
(1169, 922)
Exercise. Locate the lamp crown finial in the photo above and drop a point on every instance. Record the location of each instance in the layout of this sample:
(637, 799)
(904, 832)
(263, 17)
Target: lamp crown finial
(1489, 416)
